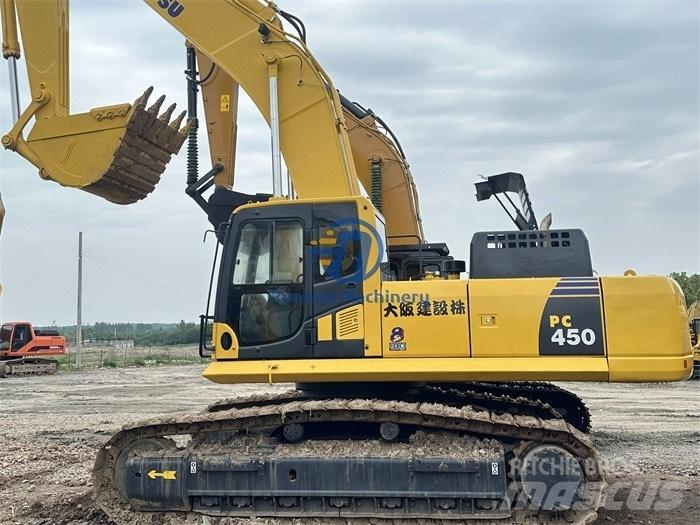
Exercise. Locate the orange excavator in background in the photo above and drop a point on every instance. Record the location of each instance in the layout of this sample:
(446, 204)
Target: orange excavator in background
(25, 350)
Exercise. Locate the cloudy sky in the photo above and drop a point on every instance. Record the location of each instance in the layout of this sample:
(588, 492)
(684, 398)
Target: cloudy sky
(596, 103)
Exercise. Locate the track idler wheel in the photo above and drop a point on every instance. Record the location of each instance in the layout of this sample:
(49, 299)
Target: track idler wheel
(551, 478)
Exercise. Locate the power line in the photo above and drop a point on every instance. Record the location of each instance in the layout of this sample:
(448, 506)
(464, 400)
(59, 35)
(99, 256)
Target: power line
(141, 278)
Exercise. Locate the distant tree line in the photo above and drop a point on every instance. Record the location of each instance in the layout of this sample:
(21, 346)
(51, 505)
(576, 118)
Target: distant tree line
(143, 334)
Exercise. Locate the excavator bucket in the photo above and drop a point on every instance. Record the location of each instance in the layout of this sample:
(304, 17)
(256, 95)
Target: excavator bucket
(116, 152)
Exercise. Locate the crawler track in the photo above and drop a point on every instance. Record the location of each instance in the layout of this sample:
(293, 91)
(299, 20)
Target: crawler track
(570, 407)
(517, 423)
(534, 398)
(28, 366)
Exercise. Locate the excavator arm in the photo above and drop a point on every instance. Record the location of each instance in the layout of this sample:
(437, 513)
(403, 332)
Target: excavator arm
(220, 97)
(116, 152)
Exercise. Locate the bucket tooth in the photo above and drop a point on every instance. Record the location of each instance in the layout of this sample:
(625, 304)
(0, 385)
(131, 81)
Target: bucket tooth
(155, 108)
(141, 102)
(168, 113)
(175, 124)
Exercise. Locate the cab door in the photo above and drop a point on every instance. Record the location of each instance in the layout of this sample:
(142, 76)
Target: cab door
(269, 299)
(338, 280)
(21, 336)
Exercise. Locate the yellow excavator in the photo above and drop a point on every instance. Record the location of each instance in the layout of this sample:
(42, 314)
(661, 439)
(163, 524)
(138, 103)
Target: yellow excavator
(420, 393)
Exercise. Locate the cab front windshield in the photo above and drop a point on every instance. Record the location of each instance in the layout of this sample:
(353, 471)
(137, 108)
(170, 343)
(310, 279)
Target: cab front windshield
(268, 282)
(5, 335)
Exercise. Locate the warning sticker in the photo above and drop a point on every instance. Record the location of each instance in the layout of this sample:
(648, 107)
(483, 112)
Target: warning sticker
(225, 103)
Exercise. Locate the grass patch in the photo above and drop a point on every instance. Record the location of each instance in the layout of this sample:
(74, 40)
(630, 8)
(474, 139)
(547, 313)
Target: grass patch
(162, 359)
(104, 357)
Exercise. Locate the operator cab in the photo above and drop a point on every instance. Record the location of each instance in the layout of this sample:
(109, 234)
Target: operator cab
(285, 265)
(14, 337)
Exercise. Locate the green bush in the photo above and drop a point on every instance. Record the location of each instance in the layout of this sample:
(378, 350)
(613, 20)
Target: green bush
(108, 363)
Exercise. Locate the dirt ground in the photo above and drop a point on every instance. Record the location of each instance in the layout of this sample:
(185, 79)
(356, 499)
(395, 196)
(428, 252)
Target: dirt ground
(51, 427)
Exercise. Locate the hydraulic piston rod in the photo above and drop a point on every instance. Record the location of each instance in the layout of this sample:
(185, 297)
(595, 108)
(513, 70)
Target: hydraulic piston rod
(11, 51)
(14, 88)
(275, 130)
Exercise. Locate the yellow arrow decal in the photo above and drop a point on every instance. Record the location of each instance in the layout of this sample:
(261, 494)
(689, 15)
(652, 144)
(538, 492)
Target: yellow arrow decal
(166, 474)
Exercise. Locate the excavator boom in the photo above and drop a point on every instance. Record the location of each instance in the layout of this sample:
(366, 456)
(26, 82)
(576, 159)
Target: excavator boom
(313, 135)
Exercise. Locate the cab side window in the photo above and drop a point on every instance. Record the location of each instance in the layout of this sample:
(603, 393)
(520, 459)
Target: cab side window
(20, 337)
(339, 250)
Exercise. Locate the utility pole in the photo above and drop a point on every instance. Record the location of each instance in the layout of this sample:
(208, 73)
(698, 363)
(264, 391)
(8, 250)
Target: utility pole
(79, 321)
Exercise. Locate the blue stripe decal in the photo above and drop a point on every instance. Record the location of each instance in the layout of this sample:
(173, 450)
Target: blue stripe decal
(583, 284)
(576, 291)
(579, 278)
